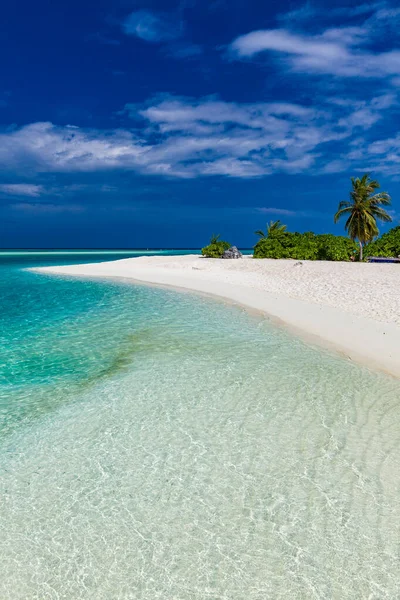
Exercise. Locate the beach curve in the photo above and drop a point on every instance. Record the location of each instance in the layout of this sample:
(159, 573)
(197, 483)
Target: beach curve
(351, 308)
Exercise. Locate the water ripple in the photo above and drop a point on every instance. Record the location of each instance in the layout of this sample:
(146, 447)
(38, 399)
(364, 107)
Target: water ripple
(199, 453)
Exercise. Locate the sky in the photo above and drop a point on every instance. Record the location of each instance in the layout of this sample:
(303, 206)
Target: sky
(157, 123)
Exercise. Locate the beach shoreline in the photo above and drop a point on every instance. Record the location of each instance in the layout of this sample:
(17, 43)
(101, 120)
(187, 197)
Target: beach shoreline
(352, 309)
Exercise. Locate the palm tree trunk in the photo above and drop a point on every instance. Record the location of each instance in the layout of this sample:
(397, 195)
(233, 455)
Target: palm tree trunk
(361, 251)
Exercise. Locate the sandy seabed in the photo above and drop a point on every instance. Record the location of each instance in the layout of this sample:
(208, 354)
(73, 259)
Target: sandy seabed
(351, 307)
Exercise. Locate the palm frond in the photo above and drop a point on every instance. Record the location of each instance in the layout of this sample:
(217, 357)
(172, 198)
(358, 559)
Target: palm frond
(382, 215)
(341, 212)
(381, 198)
(344, 204)
(275, 227)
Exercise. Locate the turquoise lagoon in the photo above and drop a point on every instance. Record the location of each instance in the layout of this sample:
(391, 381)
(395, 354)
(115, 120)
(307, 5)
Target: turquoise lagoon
(159, 445)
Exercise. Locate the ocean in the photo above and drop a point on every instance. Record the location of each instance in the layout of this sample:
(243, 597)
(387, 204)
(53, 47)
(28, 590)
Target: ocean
(156, 444)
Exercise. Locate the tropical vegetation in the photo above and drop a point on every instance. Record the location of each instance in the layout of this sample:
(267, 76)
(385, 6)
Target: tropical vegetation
(215, 248)
(273, 227)
(363, 210)
(388, 245)
(305, 246)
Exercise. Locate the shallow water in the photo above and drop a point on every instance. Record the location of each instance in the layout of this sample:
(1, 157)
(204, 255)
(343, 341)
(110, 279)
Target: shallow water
(158, 445)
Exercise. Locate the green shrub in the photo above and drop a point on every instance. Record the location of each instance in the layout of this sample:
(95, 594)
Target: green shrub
(270, 248)
(336, 247)
(215, 249)
(305, 246)
(387, 245)
(287, 245)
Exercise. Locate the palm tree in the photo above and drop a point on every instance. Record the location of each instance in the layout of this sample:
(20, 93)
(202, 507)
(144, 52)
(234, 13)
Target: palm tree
(273, 227)
(363, 210)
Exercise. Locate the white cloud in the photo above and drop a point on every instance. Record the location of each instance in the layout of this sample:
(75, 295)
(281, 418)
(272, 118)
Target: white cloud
(185, 137)
(385, 146)
(361, 9)
(336, 166)
(387, 13)
(21, 189)
(152, 26)
(276, 211)
(44, 147)
(165, 29)
(285, 212)
(177, 113)
(337, 50)
(329, 53)
(381, 156)
(282, 40)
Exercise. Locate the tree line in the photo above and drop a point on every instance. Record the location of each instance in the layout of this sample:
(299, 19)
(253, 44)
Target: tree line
(362, 211)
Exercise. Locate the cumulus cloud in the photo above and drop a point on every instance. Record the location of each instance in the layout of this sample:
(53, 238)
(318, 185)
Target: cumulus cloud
(21, 189)
(185, 137)
(152, 26)
(44, 147)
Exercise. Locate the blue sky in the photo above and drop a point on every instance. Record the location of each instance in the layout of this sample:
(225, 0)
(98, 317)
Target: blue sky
(129, 124)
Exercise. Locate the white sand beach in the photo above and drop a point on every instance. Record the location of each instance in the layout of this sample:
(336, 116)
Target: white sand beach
(352, 308)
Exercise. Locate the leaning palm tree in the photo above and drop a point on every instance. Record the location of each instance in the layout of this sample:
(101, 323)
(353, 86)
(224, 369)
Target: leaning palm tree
(363, 210)
(273, 227)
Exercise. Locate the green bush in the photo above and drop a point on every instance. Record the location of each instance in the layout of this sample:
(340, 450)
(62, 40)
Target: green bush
(305, 246)
(270, 248)
(215, 249)
(336, 247)
(287, 245)
(388, 245)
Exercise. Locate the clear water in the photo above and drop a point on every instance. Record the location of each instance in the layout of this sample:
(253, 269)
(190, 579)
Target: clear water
(158, 445)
